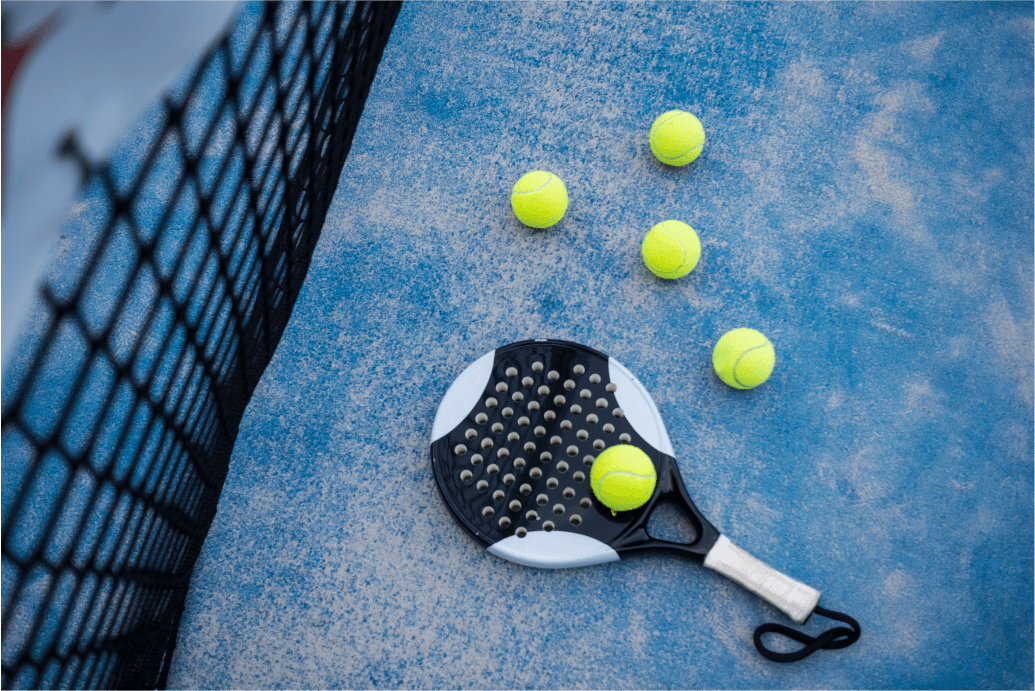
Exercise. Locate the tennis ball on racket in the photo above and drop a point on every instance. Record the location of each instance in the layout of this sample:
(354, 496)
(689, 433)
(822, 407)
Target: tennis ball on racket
(743, 358)
(671, 249)
(539, 199)
(623, 477)
(676, 138)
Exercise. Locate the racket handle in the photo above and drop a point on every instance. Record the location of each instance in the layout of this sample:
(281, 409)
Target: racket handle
(794, 599)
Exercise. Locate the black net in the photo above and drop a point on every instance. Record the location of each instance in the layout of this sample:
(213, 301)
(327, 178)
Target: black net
(123, 400)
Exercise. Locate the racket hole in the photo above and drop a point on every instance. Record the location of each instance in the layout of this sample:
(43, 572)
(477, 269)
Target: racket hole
(477, 459)
(542, 499)
(669, 522)
(623, 437)
(524, 421)
(501, 387)
(552, 483)
(579, 476)
(482, 485)
(460, 450)
(592, 419)
(585, 503)
(554, 375)
(565, 424)
(587, 459)
(529, 447)
(598, 444)
(539, 431)
(609, 428)
(558, 509)
(498, 495)
(579, 370)
(569, 493)
(488, 511)
(503, 453)
(491, 402)
(535, 473)
(569, 384)
(550, 416)
(504, 522)
(548, 526)
(518, 396)
(575, 519)
(493, 469)
(486, 443)
(533, 405)
(515, 505)
(532, 516)
(576, 409)
(537, 367)
(582, 434)
(524, 489)
(559, 400)
(527, 381)
(512, 371)
(508, 479)
(611, 388)
(497, 427)
(513, 436)
(521, 532)
(466, 475)
(601, 403)
(546, 457)
(471, 433)
(544, 390)
(507, 412)
(585, 393)
(480, 418)
(594, 379)
(519, 463)
(555, 440)
(562, 467)
(618, 412)
(573, 450)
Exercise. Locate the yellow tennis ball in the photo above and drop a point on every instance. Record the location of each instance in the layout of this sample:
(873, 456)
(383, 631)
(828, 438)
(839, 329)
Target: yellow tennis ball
(539, 199)
(671, 249)
(743, 358)
(676, 138)
(623, 477)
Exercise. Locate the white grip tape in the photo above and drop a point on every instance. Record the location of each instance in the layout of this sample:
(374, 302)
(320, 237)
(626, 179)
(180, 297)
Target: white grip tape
(794, 599)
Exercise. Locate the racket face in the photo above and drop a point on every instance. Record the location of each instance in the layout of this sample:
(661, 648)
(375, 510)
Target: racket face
(513, 442)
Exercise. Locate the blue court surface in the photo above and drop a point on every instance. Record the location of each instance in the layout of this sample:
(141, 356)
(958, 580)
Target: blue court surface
(864, 198)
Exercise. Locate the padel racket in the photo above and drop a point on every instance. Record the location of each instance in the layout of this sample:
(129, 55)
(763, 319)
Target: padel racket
(512, 445)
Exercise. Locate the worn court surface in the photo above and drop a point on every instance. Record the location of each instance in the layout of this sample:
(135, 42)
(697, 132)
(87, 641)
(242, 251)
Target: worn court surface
(865, 199)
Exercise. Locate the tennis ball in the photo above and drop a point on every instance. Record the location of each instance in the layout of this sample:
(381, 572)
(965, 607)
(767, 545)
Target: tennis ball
(671, 249)
(539, 199)
(743, 358)
(676, 138)
(623, 477)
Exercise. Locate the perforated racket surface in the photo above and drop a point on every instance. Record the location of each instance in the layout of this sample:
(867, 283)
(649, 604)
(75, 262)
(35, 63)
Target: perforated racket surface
(512, 445)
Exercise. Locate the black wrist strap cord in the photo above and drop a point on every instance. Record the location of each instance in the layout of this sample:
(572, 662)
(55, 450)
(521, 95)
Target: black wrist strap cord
(837, 637)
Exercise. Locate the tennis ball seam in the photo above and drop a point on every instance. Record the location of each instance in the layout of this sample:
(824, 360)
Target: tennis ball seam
(676, 158)
(682, 249)
(622, 472)
(549, 179)
(555, 219)
(741, 357)
(691, 149)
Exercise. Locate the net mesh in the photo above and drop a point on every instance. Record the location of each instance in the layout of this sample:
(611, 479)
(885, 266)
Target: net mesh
(123, 400)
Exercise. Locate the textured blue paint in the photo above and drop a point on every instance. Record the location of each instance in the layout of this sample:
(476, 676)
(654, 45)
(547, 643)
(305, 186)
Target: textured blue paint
(865, 199)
